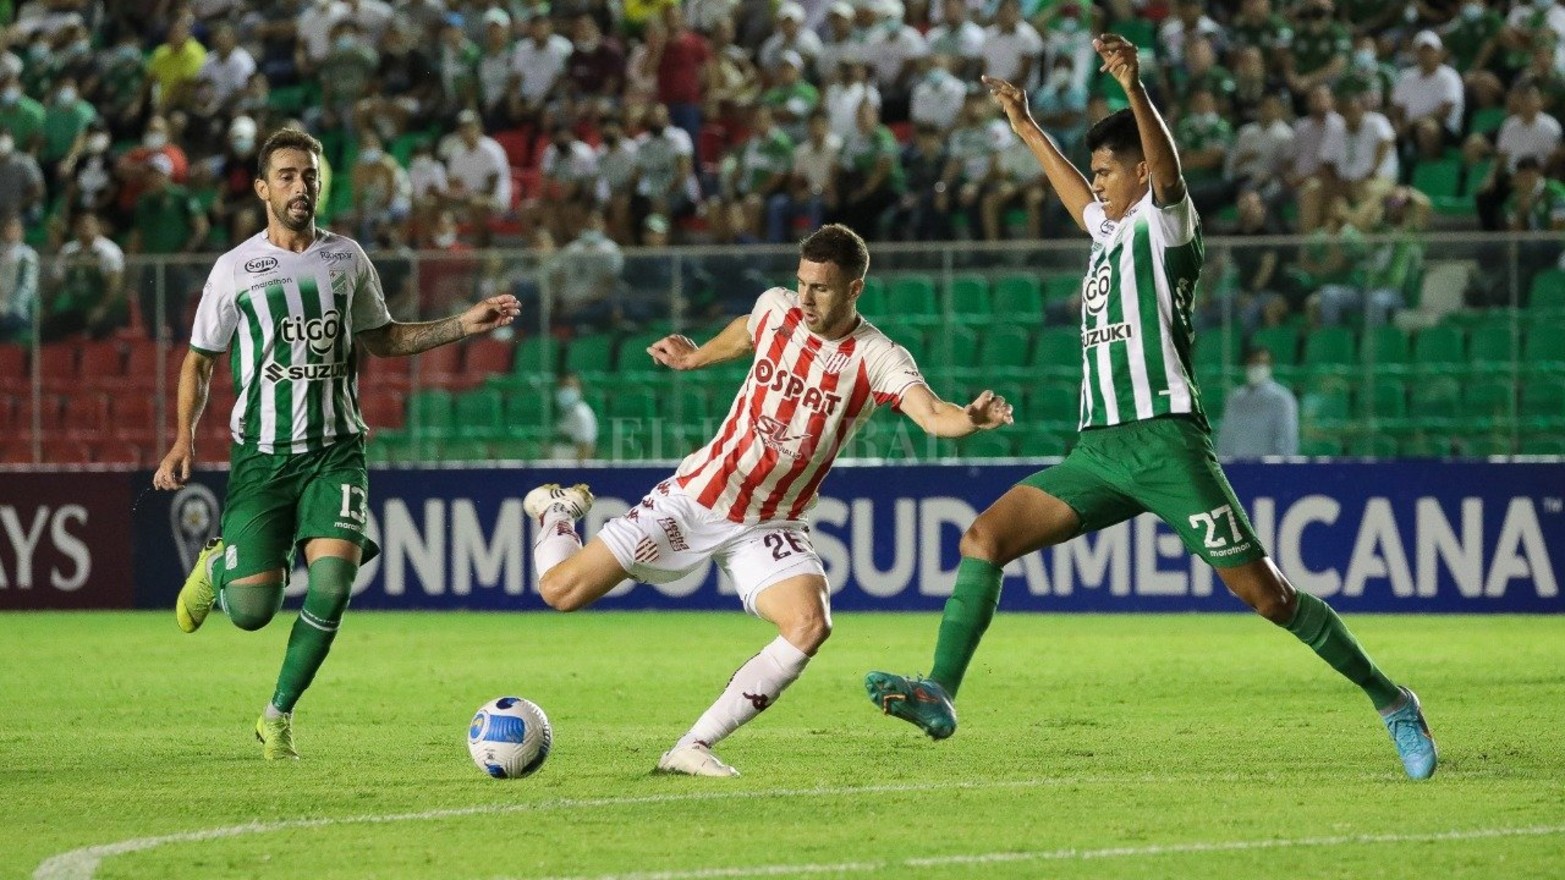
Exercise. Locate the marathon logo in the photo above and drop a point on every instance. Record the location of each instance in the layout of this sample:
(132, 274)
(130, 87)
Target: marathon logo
(1097, 336)
(276, 372)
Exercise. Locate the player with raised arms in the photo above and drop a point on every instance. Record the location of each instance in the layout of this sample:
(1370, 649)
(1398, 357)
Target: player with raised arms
(1145, 444)
(819, 370)
(289, 304)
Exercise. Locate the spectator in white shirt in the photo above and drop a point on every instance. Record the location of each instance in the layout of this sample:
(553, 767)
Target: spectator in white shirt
(811, 188)
(665, 169)
(569, 171)
(890, 48)
(1527, 132)
(537, 63)
(1012, 47)
(1189, 20)
(842, 99)
(479, 175)
(1304, 169)
(959, 39)
(1360, 164)
(616, 178)
(937, 94)
(1426, 104)
(575, 424)
(790, 34)
(228, 66)
(1262, 149)
(838, 43)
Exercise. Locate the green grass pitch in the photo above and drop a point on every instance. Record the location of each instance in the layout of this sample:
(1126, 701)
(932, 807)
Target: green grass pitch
(1121, 747)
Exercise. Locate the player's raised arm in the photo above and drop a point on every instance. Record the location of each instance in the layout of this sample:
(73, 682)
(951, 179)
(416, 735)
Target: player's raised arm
(1064, 177)
(397, 339)
(1121, 61)
(679, 352)
(945, 419)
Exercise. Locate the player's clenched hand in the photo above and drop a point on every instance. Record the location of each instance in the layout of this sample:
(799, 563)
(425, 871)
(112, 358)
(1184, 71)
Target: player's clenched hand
(1010, 98)
(486, 315)
(175, 469)
(989, 410)
(674, 351)
(1120, 59)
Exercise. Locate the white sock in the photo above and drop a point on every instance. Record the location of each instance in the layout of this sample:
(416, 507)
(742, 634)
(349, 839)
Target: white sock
(556, 542)
(272, 712)
(756, 685)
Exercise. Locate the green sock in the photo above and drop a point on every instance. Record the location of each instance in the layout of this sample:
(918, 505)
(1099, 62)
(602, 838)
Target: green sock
(331, 583)
(1316, 625)
(967, 615)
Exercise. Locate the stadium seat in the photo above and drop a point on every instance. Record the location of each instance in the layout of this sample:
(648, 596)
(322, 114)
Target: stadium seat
(57, 365)
(1018, 299)
(1487, 445)
(1543, 349)
(1488, 402)
(1477, 173)
(1038, 440)
(1329, 351)
(527, 410)
(955, 352)
(633, 403)
(517, 144)
(430, 412)
(691, 404)
(485, 357)
(13, 368)
(102, 363)
(65, 450)
(873, 300)
(986, 444)
(1384, 398)
(381, 409)
(590, 355)
(1055, 404)
(970, 298)
(1486, 120)
(1282, 341)
(1059, 288)
(1057, 354)
(1438, 350)
(1374, 445)
(1323, 410)
(1441, 181)
(1543, 404)
(1320, 446)
(1547, 292)
(632, 358)
(913, 297)
(479, 414)
(117, 452)
(1436, 398)
(1493, 346)
(1386, 349)
(1003, 350)
(909, 336)
(1543, 445)
(536, 355)
(134, 417)
(86, 415)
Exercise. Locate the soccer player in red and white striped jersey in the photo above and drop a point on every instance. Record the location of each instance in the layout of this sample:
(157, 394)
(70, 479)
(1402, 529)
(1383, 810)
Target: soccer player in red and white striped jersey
(818, 372)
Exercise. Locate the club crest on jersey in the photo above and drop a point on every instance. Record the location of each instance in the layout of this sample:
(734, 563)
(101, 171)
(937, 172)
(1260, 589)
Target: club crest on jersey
(833, 364)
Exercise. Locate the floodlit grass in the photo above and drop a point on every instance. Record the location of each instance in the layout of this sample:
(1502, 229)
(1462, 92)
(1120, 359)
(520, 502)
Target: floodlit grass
(1124, 747)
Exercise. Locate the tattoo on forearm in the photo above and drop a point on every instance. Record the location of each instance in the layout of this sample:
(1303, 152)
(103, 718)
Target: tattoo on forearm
(414, 338)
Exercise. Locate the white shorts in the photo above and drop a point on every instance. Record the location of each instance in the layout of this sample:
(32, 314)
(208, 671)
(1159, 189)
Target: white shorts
(669, 534)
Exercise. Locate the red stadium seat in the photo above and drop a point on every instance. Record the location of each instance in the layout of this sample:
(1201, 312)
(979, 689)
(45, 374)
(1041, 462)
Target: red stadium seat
(102, 364)
(517, 143)
(57, 365)
(487, 356)
(382, 409)
(20, 451)
(118, 452)
(13, 368)
(133, 414)
(141, 365)
(64, 450)
(439, 367)
(86, 415)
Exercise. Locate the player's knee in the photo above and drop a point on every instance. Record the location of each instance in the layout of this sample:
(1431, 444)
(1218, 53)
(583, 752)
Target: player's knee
(980, 541)
(558, 591)
(1277, 604)
(251, 620)
(808, 633)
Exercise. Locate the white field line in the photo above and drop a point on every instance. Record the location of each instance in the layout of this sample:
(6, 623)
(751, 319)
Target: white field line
(82, 864)
(1060, 855)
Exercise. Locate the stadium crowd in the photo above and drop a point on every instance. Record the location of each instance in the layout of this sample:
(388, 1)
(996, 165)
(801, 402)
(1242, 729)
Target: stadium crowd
(593, 124)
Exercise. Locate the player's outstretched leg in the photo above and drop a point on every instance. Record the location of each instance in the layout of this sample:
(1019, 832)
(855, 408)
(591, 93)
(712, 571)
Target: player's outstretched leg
(921, 702)
(556, 509)
(331, 585)
(1410, 732)
(199, 593)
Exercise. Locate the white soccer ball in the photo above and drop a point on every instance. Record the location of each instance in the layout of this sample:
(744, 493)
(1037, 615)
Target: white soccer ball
(509, 738)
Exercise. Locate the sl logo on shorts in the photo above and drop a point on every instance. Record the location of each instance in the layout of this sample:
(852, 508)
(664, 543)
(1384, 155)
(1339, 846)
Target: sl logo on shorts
(231, 557)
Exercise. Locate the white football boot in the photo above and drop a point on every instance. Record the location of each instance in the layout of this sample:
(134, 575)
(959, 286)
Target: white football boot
(695, 759)
(574, 501)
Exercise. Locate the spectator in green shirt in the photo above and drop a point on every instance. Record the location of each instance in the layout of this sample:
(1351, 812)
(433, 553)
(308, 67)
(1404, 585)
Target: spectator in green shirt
(1257, 26)
(345, 73)
(1537, 203)
(791, 98)
(1473, 41)
(751, 173)
(20, 115)
(870, 177)
(167, 221)
(1319, 52)
(65, 122)
(1204, 139)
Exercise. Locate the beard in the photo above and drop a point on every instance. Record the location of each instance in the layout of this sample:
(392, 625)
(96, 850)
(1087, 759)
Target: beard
(286, 218)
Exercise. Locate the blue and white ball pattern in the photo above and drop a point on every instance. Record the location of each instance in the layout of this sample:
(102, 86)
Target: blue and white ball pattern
(509, 738)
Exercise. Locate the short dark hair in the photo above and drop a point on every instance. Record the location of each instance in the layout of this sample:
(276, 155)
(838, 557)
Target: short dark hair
(835, 243)
(1117, 131)
(286, 139)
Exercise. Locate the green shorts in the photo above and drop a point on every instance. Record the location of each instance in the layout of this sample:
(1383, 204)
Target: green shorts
(1164, 466)
(277, 502)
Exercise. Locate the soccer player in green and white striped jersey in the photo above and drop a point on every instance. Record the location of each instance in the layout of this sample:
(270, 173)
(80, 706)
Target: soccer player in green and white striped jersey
(1145, 445)
(289, 305)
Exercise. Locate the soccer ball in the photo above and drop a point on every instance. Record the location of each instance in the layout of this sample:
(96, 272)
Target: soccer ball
(509, 738)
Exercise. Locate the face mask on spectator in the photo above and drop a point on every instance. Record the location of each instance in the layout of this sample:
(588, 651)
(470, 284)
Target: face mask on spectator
(155, 140)
(11, 95)
(444, 240)
(1068, 24)
(98, 143)
(1364, 58)
(1059, 77)
(6, 145)
(1257, 374)
(66, 96)
(241, 144)
(565, 398)
(344, 43)
(370, 156)
(1472, 11)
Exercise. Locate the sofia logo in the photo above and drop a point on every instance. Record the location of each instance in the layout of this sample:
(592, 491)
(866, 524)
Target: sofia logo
(260, 265)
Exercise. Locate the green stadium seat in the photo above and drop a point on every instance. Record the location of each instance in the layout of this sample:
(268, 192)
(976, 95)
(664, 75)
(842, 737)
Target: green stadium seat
(1282, 341)
(1059, 288)
(1486, 120)
(1004, 349)
(1042, 441)
(1323, 409)
(466, 450)
(1374, 445)
(1055, 403)
(1320, 446)
(431, 413)
(1489, 402)
(527, 410)
(1439, 350)
(1436, 398)
(480, 414)
(1486, 445)
(631, 356)
(1441, 181)
(970, 298)
(633, 402)
(590, 354)
(1019, 299)
(537, 355)
(1329, 351)
(692, 406)
(873, 300)
(987, 444)
(954, 352)
(1057, 354)
(913, 297)
(1386, 348)
(1493, 346)
(1547, 292)
(1385, 398)
(1477, 173)
(1543, 349)
(1543, 403)
(1543, 445)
